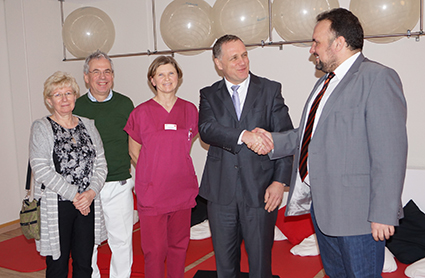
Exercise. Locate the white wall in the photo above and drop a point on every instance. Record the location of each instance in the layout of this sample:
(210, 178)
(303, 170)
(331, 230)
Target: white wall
(31, 50)
(8, 145)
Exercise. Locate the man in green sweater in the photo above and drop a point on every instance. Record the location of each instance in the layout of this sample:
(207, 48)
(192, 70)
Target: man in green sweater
(110, 111)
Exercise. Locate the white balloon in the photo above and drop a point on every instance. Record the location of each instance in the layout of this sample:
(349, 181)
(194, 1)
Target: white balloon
(187, 24)
(86, 30)
(384, 17)
(295, 20)
(247, 19)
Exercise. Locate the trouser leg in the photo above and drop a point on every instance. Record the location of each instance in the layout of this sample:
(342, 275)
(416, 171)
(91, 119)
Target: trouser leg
(82, 245)
(117, 205)
(154, 242)
(178, 240)
(226, 237)
(357, 256)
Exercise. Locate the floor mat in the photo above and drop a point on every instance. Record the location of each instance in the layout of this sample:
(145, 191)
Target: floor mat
(19, 254)
(213, 274)
(284, 264)
(196, 250)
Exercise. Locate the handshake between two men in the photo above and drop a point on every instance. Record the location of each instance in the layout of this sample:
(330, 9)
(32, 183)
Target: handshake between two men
(258, 140)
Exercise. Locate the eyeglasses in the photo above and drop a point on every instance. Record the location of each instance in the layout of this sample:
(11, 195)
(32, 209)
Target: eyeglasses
(60, 95)
(97, 72)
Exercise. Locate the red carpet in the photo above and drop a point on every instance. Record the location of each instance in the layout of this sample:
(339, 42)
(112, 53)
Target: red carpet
(399, 273)
(284, 264)
(19, 254)
(197, 249)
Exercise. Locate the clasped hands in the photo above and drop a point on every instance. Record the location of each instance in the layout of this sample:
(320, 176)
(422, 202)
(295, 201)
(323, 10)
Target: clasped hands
(258, 140)
(82, 201)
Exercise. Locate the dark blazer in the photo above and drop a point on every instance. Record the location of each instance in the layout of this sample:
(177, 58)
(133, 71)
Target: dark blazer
(357, 154)
(219, 127)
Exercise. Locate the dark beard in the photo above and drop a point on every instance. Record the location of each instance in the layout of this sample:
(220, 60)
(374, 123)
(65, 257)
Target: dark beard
(326, 68)
(319, 65)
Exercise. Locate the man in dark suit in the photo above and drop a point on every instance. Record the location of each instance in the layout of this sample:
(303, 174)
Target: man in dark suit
(243, 189)
(355, 165)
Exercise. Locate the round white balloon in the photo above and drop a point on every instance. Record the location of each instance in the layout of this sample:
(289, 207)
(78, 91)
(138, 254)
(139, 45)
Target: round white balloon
(187, 24)
(295, 20)
(384, 17)
(86, 30)
(247, 19)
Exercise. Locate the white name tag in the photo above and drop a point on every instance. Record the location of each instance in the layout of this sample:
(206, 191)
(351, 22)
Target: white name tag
(170, 126)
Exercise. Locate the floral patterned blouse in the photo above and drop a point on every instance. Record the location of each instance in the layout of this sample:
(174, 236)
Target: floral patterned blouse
(73, 154)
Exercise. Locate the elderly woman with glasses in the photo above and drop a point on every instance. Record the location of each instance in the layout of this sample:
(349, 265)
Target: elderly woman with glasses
(69, 169)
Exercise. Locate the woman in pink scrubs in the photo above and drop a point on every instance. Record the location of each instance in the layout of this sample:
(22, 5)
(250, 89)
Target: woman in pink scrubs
(161, 131)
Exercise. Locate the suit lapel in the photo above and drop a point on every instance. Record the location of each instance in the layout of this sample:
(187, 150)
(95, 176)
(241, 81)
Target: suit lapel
(342, 85)
(254, 91)
(306, 107)
(224, 96)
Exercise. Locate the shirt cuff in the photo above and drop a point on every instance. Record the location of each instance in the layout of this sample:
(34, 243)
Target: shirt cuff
(240, 138)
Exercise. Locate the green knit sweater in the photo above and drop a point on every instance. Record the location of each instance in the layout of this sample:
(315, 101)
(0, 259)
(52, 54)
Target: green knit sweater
(110, 118)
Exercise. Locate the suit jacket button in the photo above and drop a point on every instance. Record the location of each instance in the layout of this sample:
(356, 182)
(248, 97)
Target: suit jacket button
(236, 166)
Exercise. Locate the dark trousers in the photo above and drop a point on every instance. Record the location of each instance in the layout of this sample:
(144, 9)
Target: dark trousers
(76, 237)
(230, 224)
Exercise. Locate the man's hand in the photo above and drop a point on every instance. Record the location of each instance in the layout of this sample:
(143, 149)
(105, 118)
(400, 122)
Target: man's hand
(381, 231)
(273, 196)
(258, 141)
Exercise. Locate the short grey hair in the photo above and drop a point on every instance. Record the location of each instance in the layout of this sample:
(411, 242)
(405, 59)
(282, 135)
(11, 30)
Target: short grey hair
(96, 55)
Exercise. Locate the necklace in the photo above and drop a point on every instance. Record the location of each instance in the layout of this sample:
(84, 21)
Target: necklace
(73, 140)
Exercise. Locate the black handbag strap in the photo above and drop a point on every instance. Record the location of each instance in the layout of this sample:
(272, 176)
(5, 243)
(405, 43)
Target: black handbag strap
(28, 184)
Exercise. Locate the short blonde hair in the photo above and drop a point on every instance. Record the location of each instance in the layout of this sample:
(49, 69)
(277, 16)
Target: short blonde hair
(59, 80)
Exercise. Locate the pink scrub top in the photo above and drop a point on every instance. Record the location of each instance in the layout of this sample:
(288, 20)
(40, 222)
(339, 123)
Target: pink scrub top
(165, 177)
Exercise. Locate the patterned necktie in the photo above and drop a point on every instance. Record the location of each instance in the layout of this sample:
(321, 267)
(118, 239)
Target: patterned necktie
(236, 101)
(309, 128)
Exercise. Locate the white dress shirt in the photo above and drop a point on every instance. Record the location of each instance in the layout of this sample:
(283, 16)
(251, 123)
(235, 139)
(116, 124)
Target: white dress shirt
(242, 92)
(92, 98)
(340, 72)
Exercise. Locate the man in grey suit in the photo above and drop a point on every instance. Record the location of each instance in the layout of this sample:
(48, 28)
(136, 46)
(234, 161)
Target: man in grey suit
(350, 151)
(243, 189)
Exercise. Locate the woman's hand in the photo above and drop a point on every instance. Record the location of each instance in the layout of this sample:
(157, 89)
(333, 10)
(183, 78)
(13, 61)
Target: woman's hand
(83, 201)
(85, 212)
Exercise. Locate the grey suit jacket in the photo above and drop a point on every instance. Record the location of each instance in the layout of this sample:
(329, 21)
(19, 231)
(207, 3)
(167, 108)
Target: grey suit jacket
(219, 127)
(357, 156)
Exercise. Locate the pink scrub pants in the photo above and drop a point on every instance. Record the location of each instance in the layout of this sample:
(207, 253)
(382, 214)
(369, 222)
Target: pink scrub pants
(165, 237)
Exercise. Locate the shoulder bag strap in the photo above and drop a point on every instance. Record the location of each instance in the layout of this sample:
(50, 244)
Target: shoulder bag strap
(28, 184)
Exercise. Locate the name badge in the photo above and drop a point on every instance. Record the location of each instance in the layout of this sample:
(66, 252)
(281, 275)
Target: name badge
(170, 127)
